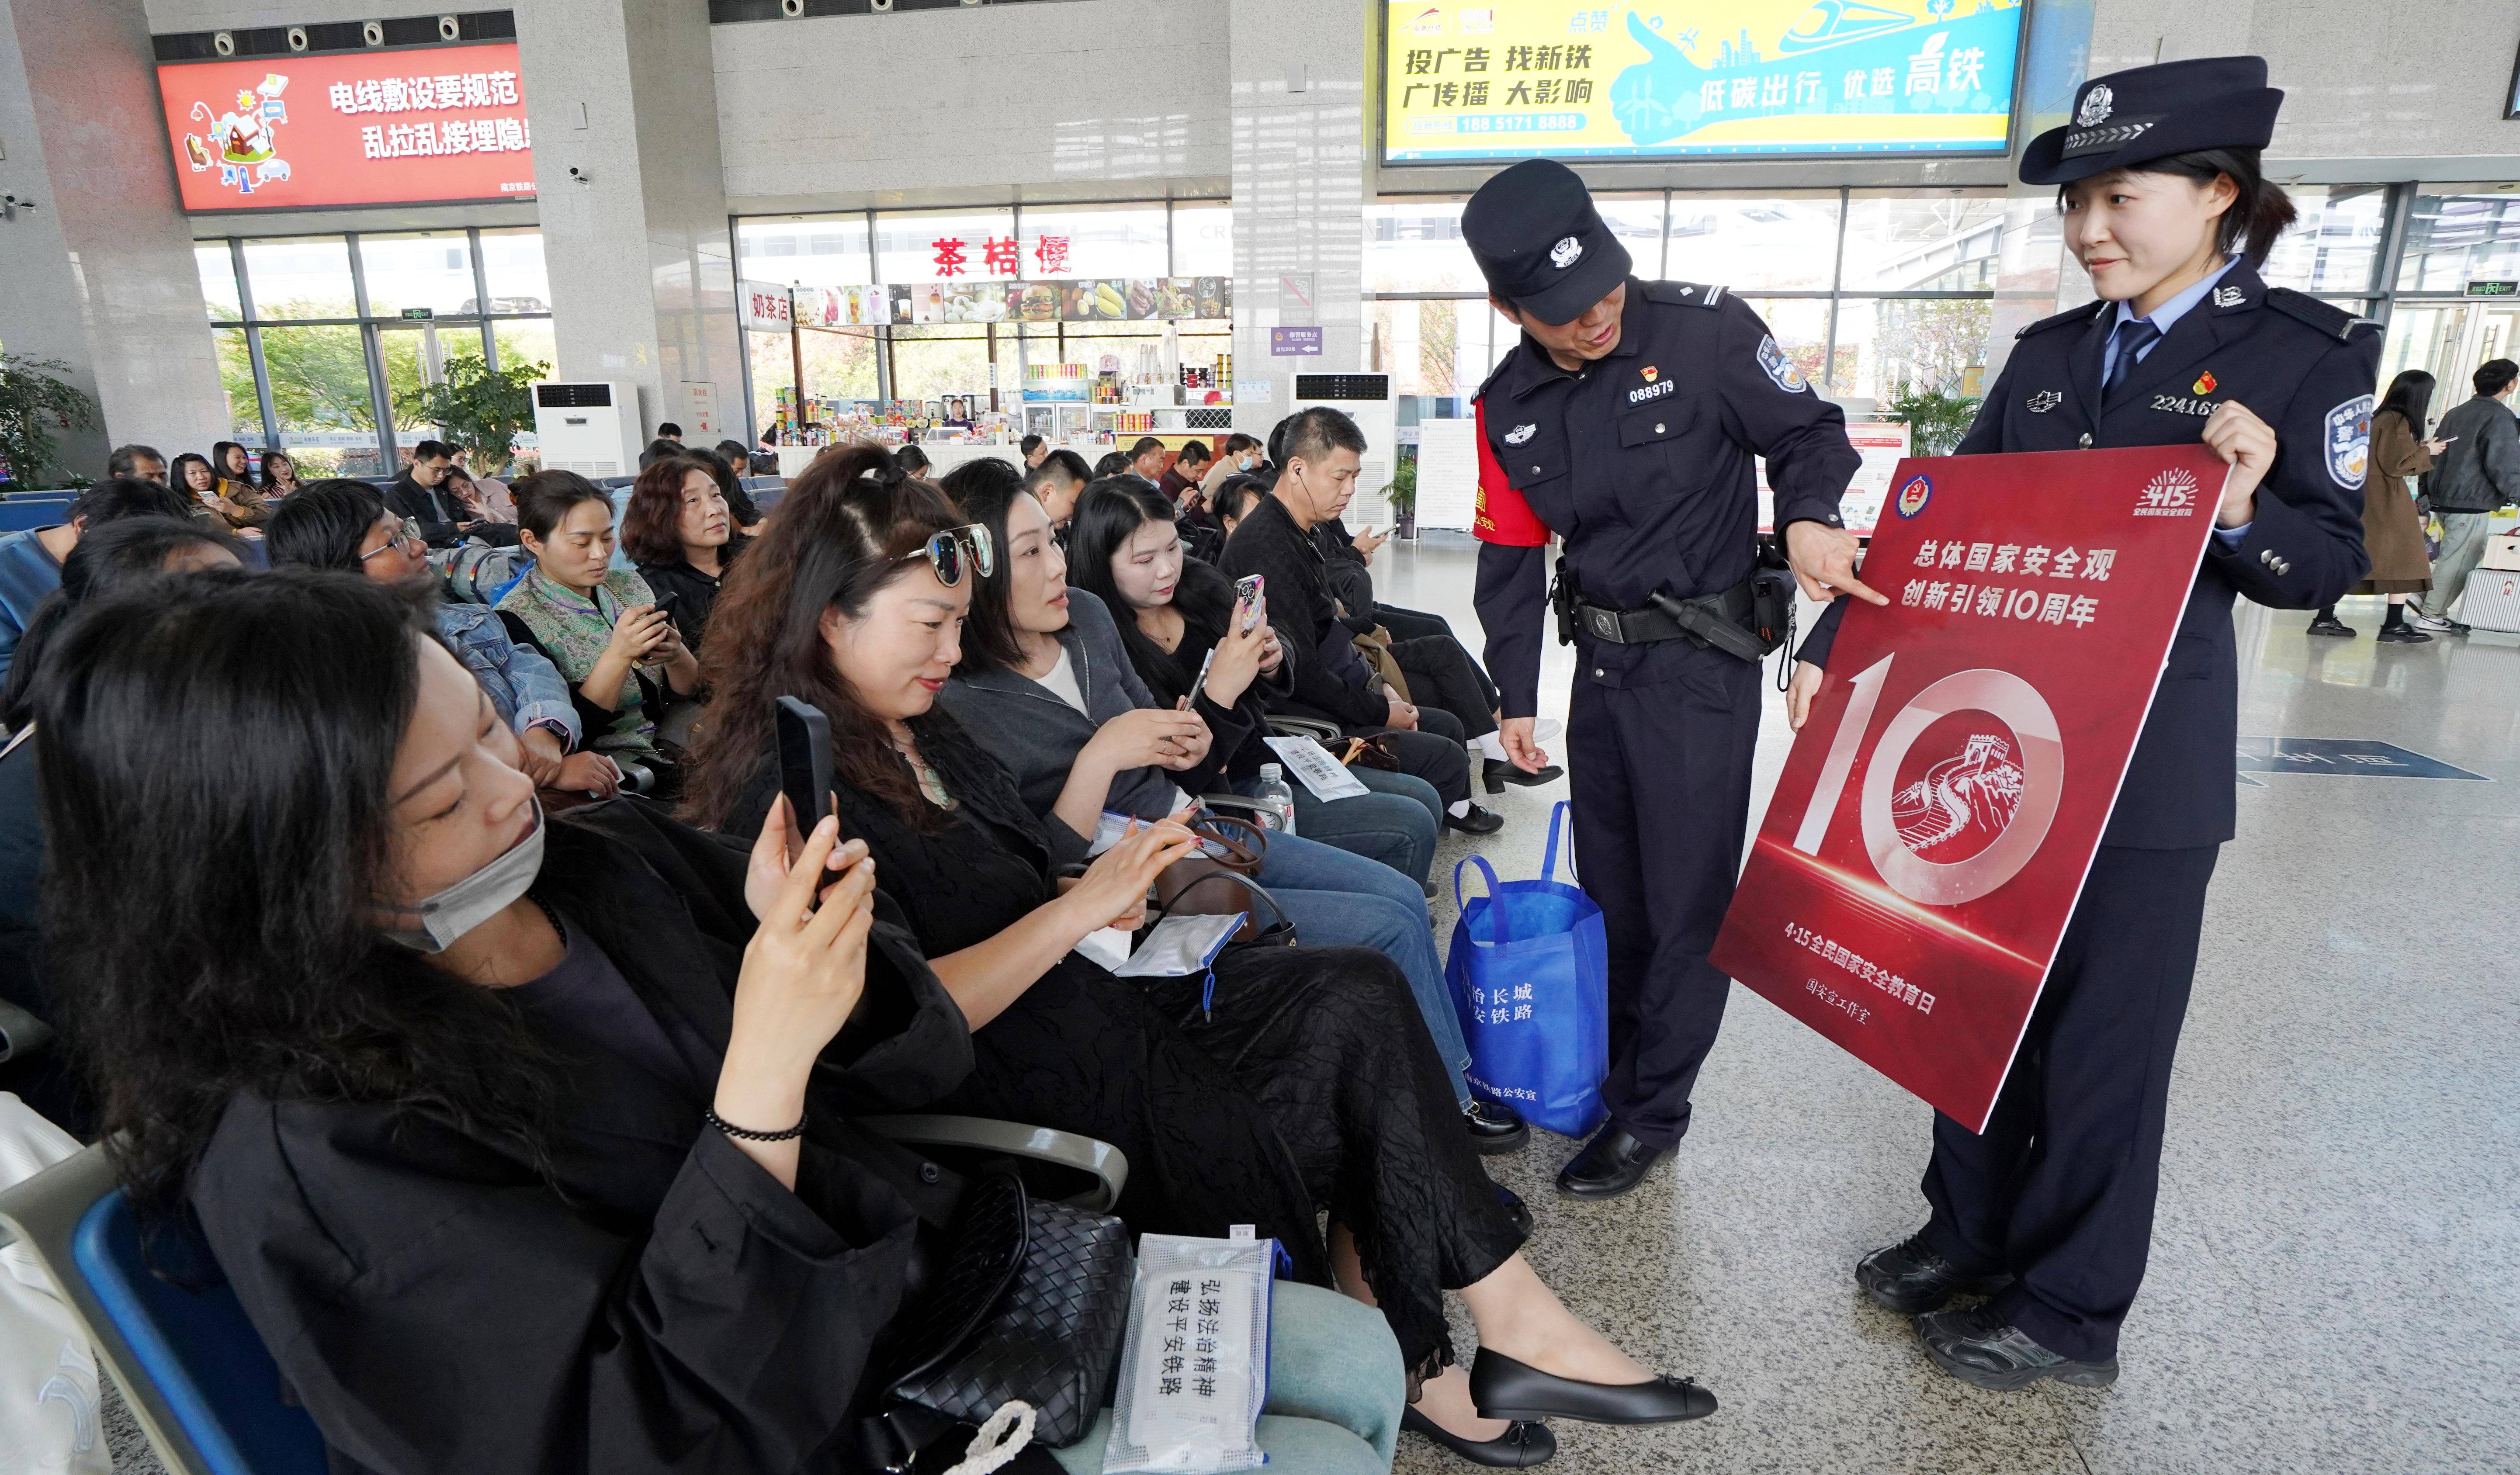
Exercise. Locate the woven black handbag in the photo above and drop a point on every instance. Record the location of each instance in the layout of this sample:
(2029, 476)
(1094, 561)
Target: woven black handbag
(1030, 1302)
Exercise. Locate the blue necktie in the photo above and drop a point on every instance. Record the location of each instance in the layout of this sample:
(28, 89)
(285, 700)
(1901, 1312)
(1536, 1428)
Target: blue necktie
(2134, 336)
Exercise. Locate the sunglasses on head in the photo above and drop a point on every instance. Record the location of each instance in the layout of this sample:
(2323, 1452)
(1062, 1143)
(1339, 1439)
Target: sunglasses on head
(946, 552)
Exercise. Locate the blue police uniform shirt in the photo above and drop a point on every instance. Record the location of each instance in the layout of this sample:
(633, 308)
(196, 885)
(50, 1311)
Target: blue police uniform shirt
(2163, 318)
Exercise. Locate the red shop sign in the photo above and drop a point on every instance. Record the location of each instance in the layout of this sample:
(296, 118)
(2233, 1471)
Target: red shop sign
(422, 125)
(1939, 811)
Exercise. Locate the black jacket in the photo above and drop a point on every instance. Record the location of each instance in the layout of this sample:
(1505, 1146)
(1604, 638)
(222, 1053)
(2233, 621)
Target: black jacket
(699, 591)
(2481, 469)
(1301, 608)
(433, 508)
(2304, 368)
(661, 1303)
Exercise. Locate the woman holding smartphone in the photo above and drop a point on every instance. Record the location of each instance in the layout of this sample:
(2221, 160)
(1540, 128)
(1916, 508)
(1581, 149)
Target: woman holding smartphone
(2050, 1210)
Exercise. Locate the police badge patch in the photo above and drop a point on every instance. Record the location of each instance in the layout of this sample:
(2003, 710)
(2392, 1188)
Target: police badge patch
(2044, 400)
(1781, 369)
(2349, 441)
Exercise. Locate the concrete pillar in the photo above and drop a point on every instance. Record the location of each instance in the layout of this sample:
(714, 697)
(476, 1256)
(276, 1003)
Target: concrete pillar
(2036, 277)
(100, 272)
(1298, 72)
(641, 258)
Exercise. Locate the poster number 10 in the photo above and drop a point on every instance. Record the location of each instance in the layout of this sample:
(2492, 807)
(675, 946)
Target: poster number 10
(1852, 725)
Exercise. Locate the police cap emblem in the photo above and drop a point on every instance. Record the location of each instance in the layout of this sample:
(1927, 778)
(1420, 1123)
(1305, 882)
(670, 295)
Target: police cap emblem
(2096, 107)
(1565, 253)
(1519, 433)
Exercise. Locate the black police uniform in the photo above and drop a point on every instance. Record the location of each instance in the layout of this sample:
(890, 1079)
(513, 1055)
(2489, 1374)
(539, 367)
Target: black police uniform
(2058, 1192)
(1640, 462)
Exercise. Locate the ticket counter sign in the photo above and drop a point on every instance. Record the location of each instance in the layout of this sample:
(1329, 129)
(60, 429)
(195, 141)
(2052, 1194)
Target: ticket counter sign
(420, 125)
(1713, 78)
(1939, 811)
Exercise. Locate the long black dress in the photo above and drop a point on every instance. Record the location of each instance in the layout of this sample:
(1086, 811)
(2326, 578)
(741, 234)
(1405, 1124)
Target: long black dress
(1306, 1083)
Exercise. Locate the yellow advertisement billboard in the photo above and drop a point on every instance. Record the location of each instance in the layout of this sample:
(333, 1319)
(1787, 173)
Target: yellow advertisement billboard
(1710, 79)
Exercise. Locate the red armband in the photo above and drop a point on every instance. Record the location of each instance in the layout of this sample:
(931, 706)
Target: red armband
(1502, 515)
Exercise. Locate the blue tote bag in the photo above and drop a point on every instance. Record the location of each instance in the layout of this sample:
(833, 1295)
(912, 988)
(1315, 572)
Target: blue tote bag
(1529, 972)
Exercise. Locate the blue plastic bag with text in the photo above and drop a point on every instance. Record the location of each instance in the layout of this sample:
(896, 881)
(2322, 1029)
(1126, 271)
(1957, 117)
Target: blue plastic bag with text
(1530, 975)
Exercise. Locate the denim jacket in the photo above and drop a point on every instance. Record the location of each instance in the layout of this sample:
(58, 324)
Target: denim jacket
(526, 688)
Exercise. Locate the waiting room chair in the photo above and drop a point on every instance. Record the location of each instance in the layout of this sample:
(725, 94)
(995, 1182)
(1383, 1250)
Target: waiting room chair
(26, 510)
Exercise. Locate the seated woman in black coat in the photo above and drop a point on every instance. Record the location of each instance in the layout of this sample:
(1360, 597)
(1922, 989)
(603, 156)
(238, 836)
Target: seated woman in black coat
(1287, 1082)
(680, 532)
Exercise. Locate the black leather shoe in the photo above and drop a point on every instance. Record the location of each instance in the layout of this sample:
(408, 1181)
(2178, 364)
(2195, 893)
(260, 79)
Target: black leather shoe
(1495, 1127)
(1609, 1165)
(1909, 1279)
(1477, 822)
(1498, 773)
(1520, 1447)
(1979, 1346)
(1515, 1208)
(2331, 626)
(2402, 635)
(1503, 1388)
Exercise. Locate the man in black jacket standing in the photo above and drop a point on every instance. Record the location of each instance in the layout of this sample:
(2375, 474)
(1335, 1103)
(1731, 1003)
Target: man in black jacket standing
(1322, 451)
(2479, 472)
(420, 495)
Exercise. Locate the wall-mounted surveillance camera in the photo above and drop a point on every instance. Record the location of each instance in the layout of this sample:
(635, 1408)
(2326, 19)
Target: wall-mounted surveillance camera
(297, 38)
(449, 29)
(373, 32)
(580, 176)
(791, 9)
(223, 43)
(881, 7)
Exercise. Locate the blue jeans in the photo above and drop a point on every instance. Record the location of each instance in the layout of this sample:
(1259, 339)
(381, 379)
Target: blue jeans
(1336, 899)
(1334, 1390)
(1397, 824)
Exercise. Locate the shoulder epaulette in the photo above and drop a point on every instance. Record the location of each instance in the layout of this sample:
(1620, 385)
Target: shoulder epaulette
(1685, 293)
(2078, 315)
(1494, 375)
(2330, 319)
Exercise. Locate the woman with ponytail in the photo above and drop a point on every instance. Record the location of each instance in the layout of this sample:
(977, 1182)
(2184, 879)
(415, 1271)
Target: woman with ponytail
(2050, 1210)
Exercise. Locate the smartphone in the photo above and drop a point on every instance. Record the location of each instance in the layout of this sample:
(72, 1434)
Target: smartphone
(1247, 591)
(804, 767)
(669, 604)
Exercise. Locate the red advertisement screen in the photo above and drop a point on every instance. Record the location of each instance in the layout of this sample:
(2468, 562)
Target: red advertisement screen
(1939, 811)
(417, 126)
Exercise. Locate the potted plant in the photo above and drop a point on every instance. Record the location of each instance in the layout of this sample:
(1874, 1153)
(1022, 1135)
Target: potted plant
(33, 404)
(480, 408)
(1936, 419)
(1401, 492)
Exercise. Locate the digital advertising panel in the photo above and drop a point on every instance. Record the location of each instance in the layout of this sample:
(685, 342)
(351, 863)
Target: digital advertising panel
(1939, 811)
(422, 125)
(1573, 80)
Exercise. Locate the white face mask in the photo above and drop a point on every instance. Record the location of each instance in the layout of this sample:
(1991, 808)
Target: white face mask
(477, 898)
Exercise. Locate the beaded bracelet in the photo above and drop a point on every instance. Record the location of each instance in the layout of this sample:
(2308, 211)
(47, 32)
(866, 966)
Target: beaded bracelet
(732, 1130)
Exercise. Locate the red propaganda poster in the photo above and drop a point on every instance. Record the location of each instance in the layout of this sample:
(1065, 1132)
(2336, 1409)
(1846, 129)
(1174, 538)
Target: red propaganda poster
(412, 126)
(1937, 813)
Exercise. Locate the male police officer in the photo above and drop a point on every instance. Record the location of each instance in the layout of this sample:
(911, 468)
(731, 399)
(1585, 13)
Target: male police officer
(1624, 422)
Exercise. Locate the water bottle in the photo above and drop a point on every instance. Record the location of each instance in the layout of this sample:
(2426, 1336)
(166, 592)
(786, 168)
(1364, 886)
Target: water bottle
(1276, 799)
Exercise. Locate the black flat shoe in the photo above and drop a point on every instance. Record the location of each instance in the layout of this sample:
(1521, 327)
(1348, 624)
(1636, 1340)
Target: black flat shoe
(1518, 1447)
(2331, 627)
(1477, 822)
(1609, 1165)
(2402, 635)
(1495, 1127)
(1979, 1346)
(1909, 1279)
(1498, 772)
(1503, 1388)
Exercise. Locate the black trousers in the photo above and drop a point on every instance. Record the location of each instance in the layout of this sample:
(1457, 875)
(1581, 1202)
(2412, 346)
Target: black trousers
(1442, 675)
(1418, 624)
(2059, 1189)
(1660, 778)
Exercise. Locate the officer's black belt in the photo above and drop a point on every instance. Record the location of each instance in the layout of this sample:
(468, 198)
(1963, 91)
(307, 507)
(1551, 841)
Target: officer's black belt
(1713, 620)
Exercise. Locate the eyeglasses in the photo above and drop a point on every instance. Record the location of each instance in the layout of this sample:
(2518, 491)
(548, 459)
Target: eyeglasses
(406, 536)
(946, 550)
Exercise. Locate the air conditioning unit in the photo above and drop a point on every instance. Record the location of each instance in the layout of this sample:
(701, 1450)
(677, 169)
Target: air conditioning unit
(1367, 399)
(592, 429)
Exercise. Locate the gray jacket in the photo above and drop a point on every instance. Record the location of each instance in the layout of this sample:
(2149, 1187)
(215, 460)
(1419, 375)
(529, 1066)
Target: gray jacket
(2481, 469)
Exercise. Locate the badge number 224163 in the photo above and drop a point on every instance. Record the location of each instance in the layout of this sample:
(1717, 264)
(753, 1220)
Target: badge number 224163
(2001, 693)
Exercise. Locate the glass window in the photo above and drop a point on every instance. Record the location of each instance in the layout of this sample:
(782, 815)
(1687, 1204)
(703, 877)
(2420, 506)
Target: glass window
(1778, 243)
(929, 363)
(1432, 345)
(1637, 222)
(414, 359)
(431, 269)
(236, 381)
(525, 341)
(218, 280)
(773, 373)
(1800, 326)
(941, 246)
(2427, 337)
(1091, 240)
(842, 365)
(1888, 345)
(1202, 239)
(513, 260)
(811, 250)
(2335, 241)
(300, 276)
(319, 387)
(1922, 243)
(2453, 240)
(1416, 246)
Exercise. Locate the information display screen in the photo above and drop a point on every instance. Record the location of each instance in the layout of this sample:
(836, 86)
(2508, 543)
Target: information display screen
(1712, 78)
(420, 125)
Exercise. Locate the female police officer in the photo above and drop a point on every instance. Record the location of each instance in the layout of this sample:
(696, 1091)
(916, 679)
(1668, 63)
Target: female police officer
(2050, 1209)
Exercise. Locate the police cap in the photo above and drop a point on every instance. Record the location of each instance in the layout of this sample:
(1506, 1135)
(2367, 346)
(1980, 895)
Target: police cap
(2131, 117)
(1540, 242)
